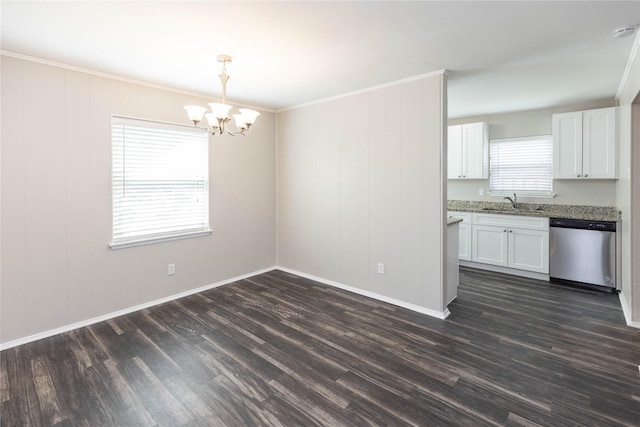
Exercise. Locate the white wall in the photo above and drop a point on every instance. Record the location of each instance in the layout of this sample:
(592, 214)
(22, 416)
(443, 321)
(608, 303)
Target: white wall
(533, 123)
(628, 186)
(359, 182)
(56, 202)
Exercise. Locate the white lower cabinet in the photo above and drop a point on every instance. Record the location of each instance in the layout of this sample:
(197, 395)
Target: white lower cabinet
(464, 235)
(453, 273)
(464, 242)
(528, 250)
(489, 245)
(511, 241)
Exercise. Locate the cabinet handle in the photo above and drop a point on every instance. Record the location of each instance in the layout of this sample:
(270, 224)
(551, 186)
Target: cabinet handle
(585, 175)
(504, 231)
(510, 231)
(578, 175)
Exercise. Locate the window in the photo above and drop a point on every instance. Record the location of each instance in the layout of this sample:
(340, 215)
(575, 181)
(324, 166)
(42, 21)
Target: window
(522, 165)
(159, 182)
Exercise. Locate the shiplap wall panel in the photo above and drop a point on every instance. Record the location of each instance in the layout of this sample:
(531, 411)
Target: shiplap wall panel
(333, 187)
(373, 162)
(13, 307)
(240, 168)
(78, 204)
(394, 284)
(410, 127)
(45, 196)
(377, 190)
(106, 284)
(348, 190)
(289, 222)
(434, 187)
(57, 268)
(363, 198)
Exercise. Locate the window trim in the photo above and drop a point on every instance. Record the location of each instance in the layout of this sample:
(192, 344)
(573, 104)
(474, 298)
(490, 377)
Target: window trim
(522, 193)
(149, 240)
(152, 241)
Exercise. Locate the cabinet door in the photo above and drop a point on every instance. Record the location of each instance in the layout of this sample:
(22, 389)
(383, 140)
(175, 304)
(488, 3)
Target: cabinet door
(599, 144)
(529, 250)
(475, 151)
(489, 245)
(567, 145)
(454, 152)
(464, 242)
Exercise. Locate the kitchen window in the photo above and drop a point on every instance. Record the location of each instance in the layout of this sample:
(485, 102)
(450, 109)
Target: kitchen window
(521, 165)
(160, 182)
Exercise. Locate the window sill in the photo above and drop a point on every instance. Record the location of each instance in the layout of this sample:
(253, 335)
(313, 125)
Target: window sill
(152, 241)
(524, 195)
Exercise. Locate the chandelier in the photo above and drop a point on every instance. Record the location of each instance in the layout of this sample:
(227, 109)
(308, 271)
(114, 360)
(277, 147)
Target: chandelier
(218, 118)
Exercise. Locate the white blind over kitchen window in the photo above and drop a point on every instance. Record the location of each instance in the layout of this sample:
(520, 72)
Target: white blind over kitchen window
(522, 165)
(159, 181)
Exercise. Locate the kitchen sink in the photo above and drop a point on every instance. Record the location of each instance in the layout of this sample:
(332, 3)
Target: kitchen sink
(510, 209)
(500, 210)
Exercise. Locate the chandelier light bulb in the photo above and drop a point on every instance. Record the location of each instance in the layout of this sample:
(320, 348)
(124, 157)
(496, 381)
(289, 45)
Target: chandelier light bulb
(240, 123)
(195, 113)
(250, 116)
(212, 120)
(220, 111)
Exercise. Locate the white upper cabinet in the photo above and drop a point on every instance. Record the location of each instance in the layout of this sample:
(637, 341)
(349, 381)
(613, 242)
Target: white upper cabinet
(567, 145)
(468, 151)
(585, 145)
(454, 154)
(599, 144)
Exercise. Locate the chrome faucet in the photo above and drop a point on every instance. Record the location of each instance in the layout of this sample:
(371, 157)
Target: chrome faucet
(514, 201)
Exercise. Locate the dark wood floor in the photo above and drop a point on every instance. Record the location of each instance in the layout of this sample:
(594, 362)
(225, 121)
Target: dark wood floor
(278, 349)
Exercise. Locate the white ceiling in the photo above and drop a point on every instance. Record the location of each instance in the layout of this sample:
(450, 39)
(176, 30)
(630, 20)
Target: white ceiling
(500, 56)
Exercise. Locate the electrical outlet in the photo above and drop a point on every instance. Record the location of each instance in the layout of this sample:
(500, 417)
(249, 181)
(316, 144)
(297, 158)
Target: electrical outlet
(171, 270)
(481, 192)
(380, 268)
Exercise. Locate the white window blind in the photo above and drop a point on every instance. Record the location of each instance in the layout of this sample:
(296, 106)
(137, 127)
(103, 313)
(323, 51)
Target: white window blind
(522, 165)
(159, 181)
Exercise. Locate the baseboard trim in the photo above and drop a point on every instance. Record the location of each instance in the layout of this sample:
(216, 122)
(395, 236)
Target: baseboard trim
(413, 307)
(626, 312)
(102, 318)
(506, 270)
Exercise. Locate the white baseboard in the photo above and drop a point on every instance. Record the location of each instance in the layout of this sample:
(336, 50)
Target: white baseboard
(83, 323)
(627, 312)
(413, 307)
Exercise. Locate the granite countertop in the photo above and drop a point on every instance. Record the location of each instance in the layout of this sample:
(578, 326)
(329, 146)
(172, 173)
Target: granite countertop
(453, 220)
(594, 213)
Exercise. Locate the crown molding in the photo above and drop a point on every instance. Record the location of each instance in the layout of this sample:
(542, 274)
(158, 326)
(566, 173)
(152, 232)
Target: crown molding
(121, 78)
(369, 89)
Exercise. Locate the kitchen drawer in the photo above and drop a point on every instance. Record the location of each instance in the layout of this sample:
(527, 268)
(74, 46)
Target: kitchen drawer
(511, 221)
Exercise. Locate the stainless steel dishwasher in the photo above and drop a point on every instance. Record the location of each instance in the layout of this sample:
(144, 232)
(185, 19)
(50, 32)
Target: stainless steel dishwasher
(583, 252)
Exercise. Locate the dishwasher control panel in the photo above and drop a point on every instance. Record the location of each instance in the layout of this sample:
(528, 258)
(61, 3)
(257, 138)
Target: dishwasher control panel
(582, 224)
